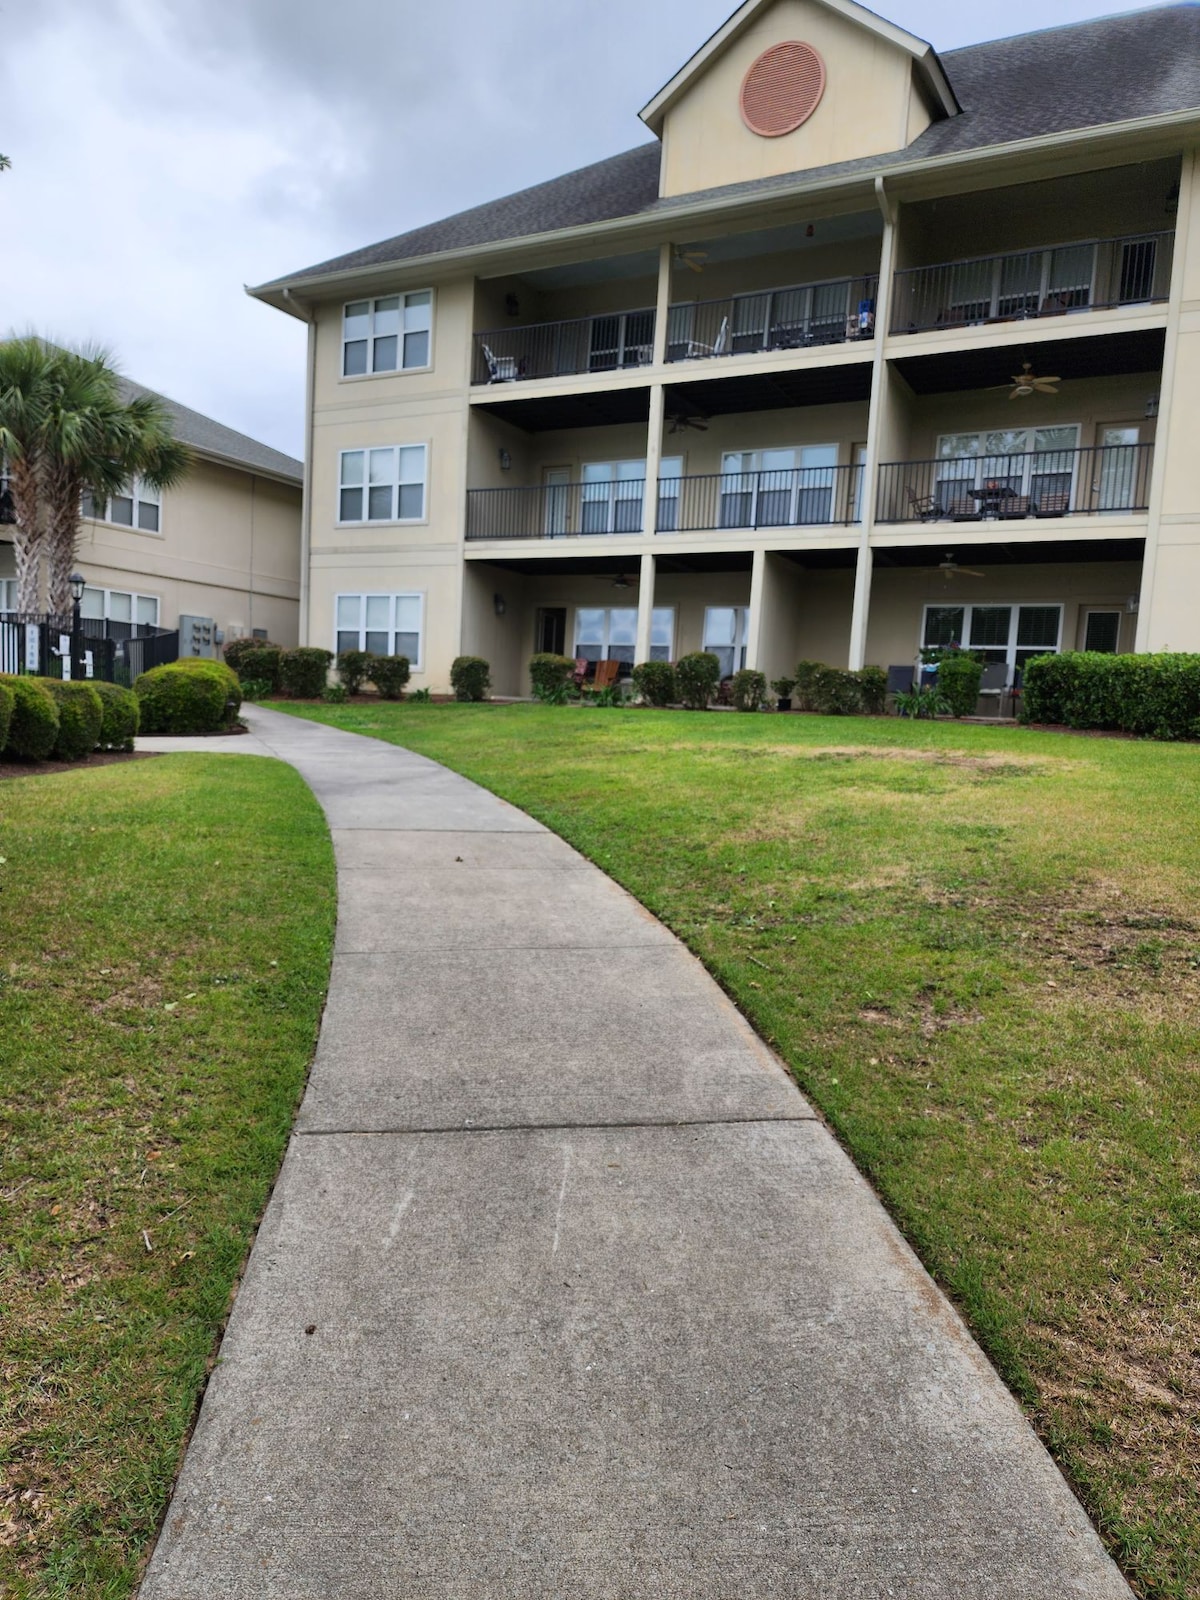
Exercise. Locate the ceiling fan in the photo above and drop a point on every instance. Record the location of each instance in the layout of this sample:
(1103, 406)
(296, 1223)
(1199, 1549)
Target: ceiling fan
(1027, 382)
(622, 582)
(693, 259)
(688, 419)
(951, 569)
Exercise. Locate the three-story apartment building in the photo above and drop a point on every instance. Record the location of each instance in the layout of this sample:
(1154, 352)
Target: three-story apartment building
(868, 349)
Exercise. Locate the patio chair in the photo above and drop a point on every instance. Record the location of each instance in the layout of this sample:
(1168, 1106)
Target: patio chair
(900, 679)
(1055, 504)
(924, 507)
(1013, 505)
(607, 673)
(964, 509)
(501, 369)
(697, 349)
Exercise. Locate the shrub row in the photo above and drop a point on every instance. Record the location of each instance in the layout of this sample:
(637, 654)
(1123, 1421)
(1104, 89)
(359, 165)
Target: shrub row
(835, 692)
(45, 718)
(1157, 696)
(188, 696)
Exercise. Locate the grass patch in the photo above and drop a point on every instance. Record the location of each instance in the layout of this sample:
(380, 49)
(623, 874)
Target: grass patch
(979, 951)
(163, 962)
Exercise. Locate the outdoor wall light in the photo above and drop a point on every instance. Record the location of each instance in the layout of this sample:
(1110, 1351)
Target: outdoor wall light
(505, 459)
(498, 605)
(1132, 604)
(78, 583)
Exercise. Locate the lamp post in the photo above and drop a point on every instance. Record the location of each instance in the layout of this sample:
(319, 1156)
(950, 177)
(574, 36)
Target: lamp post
(77, 582)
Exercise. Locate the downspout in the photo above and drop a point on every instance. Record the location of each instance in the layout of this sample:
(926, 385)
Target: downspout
(310, 386)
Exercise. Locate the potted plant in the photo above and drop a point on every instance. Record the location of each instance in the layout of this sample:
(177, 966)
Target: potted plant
(783, 689)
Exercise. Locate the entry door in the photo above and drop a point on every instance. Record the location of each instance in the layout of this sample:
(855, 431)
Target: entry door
(552, 629)
(558, 500)
(1118, 478)
(1102, 630)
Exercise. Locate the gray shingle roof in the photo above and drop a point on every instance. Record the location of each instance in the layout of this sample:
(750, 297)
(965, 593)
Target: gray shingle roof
(214, 438)
(1087, 74)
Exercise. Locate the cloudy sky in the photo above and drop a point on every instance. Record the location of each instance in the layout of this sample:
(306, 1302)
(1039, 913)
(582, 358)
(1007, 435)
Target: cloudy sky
(166, 152)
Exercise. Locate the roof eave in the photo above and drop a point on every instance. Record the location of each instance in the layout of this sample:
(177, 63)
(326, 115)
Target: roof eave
(284, 293)
(221, 459)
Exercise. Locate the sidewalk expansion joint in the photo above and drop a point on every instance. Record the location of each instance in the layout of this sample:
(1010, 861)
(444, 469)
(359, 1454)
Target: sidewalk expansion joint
(553, 1127)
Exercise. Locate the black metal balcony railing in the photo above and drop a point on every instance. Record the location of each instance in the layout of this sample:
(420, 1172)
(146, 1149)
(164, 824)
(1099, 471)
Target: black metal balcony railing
(555, 510)
(774, 319)
(796, 497)
(1091, 275)
(1038, 483)
(605, 343)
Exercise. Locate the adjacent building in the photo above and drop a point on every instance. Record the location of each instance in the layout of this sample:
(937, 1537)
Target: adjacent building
(868, 348)
(216, 557)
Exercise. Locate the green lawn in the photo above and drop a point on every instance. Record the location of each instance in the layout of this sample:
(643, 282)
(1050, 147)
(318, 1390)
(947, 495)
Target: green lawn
(979, 951)
(165, 930)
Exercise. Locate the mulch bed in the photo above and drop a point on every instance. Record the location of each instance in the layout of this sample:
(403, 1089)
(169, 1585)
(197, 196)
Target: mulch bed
(102, 758)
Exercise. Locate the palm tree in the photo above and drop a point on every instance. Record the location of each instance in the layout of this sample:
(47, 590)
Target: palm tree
(25, 369)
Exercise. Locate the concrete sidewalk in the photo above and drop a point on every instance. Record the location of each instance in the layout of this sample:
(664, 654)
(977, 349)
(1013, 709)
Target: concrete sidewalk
(564, 1291)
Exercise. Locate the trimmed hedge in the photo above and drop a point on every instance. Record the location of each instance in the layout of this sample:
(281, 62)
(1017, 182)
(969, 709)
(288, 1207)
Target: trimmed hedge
(119, 726)
(959, 675)
(390, 675)
(470, 678)
(189, 696)
(749, 690)
(237, 649)
(303, 673)
(806, 672)
(260, 666)
(33, 727)
(80, 715)
(7, 700)
(354, 669)
(698, 676)
(552, 677)
(1157, 696)
(872, 687)
(656, 682)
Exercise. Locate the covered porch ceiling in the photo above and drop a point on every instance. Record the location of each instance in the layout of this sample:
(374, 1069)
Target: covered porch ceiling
(1075, 552)
(1108, 355)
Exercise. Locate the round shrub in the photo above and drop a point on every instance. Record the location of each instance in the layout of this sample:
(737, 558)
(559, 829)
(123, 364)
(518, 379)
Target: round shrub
(748, 690)
(33, 727)
(551, 676)
(6, 711)
(834, 692)
(697, 676)
(470, 678)
(303, 673)
(119, 725)
(655, 682)
(260, 666)
(959, 676)
(334, 694)
(80, 715)
(237, 649)
(872, 687)
(390, 674)
(258, 689)
(354, 669)
(192, 696)
(802, 683)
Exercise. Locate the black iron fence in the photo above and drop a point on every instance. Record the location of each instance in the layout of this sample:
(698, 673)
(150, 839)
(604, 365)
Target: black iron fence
(1092, 275)
(116, 652)
(788, 498)
(773, 319)
(1037, 483)
(605, 343)
(554, 510)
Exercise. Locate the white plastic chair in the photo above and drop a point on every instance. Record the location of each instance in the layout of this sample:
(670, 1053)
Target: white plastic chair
(501, 369)
(696, 349)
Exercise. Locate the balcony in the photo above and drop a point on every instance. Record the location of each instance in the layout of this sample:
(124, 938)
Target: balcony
(1092, 275)
(748, 502)
(792, 318)
(608, 343)
(556, 510)
(1014, 487)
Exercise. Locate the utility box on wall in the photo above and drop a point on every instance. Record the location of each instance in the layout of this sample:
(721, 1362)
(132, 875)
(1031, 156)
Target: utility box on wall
(197, 637)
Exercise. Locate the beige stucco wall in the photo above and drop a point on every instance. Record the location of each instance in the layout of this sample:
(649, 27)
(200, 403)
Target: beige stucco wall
(228, 548)
(870, 104)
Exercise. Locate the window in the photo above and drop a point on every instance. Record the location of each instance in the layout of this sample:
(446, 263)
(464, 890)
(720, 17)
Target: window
(778, 488)
(387, 335)
(1037, 466)
(138, 506)
(610, 633)
(611, 495)
(384, 624)
(725, 636)
(8, 594)
(386, 485)
(120, 610)
(1003, 634)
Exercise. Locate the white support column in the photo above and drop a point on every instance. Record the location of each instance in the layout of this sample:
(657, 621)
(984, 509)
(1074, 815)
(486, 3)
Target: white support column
(666, 256)
(754, 621)
(654, 431)
(645, 607)
(860, 615)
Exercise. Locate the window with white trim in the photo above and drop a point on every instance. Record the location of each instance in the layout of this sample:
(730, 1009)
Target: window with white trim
(383, 485)
(725, 636)
(118, 605)
(609, 633)
(137, 506)
(1034, 465)
(391, 334)
(8, 594)
(611, 496)
(1008, 634)
(384, 624)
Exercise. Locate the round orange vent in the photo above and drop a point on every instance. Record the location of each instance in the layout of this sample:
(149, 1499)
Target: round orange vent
(782, 89)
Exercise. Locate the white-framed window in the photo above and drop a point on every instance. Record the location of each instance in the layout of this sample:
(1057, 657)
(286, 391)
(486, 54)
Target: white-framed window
(383, 485)
(391, 334)
(780, 488)
(384, 624)
(1034, 468)
(8, 594)
(725, 636)
(609, 633)
(118, 605)
(1002, 633)
(611, 495)
(137, 506)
